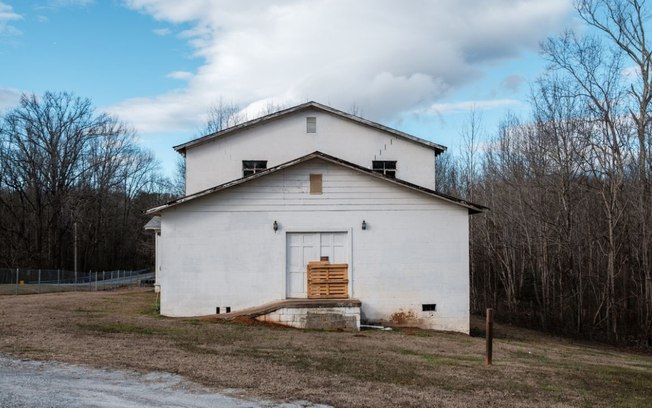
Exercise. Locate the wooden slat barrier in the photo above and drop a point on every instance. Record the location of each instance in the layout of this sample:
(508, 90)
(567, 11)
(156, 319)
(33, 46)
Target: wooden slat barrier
(327, 280)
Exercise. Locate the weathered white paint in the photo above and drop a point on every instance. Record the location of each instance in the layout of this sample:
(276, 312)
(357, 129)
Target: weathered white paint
(221, 250)
(285, 139)
(157, 260)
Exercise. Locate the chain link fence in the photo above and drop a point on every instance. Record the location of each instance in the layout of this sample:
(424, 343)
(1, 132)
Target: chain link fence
(21, 281)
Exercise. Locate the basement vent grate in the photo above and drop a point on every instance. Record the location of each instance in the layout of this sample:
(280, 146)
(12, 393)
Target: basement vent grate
(431, 307)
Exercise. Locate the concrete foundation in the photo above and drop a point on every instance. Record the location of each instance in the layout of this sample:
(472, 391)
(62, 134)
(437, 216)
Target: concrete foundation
(323, 317)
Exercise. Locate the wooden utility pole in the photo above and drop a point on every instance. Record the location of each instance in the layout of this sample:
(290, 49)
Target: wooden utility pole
(490, 336)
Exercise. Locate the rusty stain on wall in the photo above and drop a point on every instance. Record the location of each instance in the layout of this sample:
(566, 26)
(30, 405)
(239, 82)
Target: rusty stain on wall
(403, 317)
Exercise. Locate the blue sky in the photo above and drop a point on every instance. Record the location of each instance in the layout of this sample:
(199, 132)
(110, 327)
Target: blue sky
(418, 66)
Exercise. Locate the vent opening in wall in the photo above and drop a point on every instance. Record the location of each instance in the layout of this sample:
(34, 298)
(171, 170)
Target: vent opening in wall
(217, 310)
(228, 309)
(430, 307)
(311, 124)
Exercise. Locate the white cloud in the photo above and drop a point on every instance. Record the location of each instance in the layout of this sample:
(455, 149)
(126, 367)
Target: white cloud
(9, 98)
(466, 106)
(385, 57)
(66, 3)
(631, 73)
(183, 75)
(162, 31)
(7, 14)
(513, 83)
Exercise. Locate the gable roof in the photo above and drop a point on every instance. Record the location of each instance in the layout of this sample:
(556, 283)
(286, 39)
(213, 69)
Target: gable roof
(472, 207)
(314, 105)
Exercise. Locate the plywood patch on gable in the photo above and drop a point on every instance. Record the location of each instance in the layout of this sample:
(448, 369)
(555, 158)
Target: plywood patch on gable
(315, 184)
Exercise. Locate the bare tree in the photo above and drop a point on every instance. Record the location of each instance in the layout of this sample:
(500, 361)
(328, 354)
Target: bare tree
(596, 70)
(271, 107)
(179, 181)
(63, 163)
(222, 115)
(356, 110)
(623, 23)
(566, 245)
(472, 134)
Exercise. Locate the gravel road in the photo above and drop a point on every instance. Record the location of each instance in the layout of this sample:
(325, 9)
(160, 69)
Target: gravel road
(37, 384)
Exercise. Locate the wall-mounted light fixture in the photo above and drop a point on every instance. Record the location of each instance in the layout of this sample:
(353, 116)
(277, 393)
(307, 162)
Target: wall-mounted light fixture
(275, 226)
(364, 224)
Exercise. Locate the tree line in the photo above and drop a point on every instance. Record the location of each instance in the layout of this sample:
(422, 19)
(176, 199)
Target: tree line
(567, 243)
(70, 174)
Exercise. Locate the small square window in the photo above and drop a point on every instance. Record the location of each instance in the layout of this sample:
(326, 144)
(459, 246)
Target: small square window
(250, 167)
(315, 184)
(387, 168)
(311, 124)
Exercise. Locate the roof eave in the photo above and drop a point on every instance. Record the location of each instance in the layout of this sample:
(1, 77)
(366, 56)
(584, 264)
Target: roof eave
(472, 207)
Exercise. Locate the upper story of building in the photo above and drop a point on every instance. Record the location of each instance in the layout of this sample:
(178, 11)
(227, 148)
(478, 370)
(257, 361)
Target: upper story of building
(283, 136)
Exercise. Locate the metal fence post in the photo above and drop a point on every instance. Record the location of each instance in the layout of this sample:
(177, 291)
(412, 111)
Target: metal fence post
(58, 276)
(39, 281)
(16, 280)
(95, 281)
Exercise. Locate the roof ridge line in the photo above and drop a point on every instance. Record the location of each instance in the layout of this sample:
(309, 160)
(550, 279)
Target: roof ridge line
(181, 148)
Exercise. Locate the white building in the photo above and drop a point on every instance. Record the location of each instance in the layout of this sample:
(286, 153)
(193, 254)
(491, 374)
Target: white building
(268, 196)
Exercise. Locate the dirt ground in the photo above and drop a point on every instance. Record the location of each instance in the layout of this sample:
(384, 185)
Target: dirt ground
(371, 368)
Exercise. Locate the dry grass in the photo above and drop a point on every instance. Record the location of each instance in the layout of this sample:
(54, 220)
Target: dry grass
(371, 368)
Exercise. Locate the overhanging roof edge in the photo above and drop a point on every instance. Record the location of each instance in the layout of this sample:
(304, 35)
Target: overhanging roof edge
(472, 207)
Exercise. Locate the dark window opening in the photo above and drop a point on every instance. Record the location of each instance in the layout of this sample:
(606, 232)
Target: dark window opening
(387, 168)
(217, 310)
(311, 124)
(228, 309)
(429, 307)
(250, 167)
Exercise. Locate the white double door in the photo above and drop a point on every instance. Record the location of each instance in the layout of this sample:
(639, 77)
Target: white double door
(304, 247)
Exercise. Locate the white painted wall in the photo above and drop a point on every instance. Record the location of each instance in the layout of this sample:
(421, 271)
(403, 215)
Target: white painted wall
(284, 139)
(157, 256)
(221, 250)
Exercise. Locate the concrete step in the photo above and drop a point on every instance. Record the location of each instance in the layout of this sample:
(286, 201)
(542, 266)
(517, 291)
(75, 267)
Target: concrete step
(267, 308)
